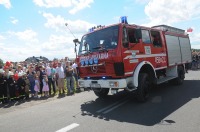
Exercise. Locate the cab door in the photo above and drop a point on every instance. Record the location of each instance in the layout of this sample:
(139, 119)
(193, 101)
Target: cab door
(158, 49)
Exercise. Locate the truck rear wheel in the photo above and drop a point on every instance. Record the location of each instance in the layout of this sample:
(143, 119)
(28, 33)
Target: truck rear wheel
(143, 87)
(181, 75)
(102, 92)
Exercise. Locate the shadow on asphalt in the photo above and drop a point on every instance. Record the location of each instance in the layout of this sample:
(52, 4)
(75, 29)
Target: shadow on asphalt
(164, 100)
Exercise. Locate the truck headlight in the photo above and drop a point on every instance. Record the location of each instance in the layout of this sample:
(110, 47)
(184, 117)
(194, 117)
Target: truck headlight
(96, 60)
(114, 84)
(86, 61)
(81, 83)
(91, 61)
(82, 62)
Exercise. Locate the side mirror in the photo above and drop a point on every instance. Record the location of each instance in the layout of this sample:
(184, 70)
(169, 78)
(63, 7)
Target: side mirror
(126, 44)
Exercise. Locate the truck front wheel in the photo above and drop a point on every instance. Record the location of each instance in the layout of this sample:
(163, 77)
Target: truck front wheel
(143, 87)
(102, 92)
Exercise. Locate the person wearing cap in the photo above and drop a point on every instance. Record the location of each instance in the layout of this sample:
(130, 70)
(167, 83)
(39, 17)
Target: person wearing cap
(69, 78)
(60, 75)
(1, 84)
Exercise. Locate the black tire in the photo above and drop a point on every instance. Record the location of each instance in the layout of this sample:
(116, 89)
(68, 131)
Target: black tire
(102, 93)
(181, 76)
(144, 84)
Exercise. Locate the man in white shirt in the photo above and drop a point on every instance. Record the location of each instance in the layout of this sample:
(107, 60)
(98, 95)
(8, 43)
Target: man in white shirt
(60, 75)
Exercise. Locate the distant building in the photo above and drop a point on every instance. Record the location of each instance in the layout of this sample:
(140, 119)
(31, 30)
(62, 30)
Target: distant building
(36, 59)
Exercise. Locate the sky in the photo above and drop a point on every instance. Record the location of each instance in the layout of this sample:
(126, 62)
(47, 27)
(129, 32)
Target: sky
(37, 27)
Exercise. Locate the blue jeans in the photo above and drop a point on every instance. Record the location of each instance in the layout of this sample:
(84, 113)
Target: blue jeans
(70, 84)
(32, 84)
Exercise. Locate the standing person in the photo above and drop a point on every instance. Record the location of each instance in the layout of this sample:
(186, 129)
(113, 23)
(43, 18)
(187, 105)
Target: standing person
(75, 73)
(40, 75)
(27, 86)
(60, 75)
(69, 78)
(19, 69)
(11, 86)
(16, 86)
(51, 78)
(37, 86)
(5, 87)
(21, 84)
(45, 88)
(31, 77)
(1, 84)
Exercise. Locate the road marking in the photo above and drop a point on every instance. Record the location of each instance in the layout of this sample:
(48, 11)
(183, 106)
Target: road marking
(110, 107)
(67, 128)
(105, 112)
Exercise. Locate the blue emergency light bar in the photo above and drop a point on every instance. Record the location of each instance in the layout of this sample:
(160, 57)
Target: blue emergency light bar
(124, 19)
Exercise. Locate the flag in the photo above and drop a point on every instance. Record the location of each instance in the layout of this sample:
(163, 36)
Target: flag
(189, 29)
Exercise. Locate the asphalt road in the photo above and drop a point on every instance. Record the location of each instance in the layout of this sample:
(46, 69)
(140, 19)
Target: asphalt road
(169, 109)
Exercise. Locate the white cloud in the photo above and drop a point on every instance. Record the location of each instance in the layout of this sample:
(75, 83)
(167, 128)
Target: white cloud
(58, 23)
(55, 22)
(142, 1)
(53, 3)
(195, 40)
(18, 53)
(59, 43)
(27, 35)
(14, 20)
(6, 3)
(79, 5)
(76, 5)
(2, 37)
(170, 11)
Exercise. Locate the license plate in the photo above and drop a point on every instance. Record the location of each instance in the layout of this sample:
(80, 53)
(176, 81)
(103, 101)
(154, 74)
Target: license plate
(95, 85)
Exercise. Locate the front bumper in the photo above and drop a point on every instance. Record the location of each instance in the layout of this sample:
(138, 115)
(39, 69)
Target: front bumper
(103, 83)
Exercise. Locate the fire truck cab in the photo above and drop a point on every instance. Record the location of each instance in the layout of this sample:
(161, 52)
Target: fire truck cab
(132, 57)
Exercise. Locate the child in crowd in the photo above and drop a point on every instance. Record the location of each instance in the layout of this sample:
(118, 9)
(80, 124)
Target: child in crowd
(37, 86)
(45, 88)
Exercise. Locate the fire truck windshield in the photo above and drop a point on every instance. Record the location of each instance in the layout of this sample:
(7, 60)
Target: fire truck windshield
(106, 38)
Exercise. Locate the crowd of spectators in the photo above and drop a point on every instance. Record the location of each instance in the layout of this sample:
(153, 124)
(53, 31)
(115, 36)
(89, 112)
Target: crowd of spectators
(195, 64)
(20, 81)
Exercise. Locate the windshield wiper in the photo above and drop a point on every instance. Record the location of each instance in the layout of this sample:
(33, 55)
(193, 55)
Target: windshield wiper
(98, 47)
(87, 52)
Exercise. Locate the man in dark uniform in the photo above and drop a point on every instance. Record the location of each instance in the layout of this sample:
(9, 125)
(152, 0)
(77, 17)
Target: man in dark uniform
(11, 86)
(40, 73)
(5, 87)
(21, 84)
(1, 84)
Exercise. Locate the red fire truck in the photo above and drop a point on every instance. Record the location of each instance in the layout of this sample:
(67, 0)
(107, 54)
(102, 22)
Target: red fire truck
(132, 57)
